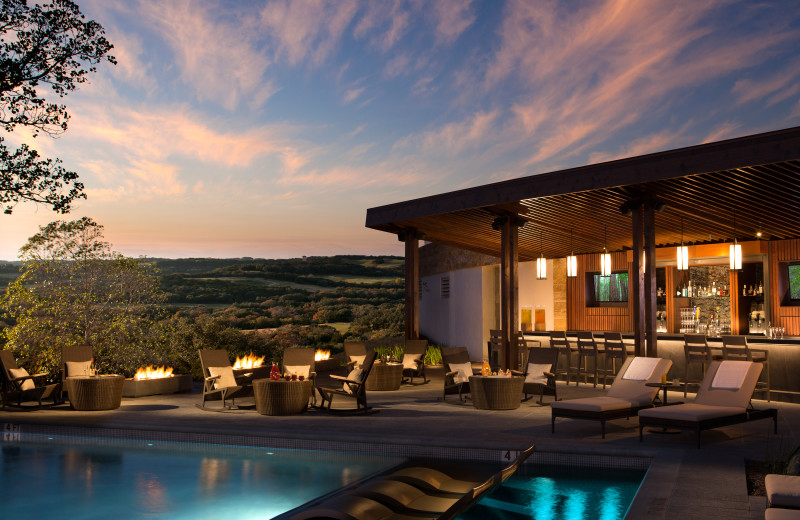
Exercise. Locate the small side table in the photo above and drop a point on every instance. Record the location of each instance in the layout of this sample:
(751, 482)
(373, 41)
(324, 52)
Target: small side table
(496, 392)
(102, 392)
(281, 397)
(669, 385)
(385, 377)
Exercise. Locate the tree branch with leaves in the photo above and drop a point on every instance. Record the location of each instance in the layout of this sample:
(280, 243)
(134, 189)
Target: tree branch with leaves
(48, 45)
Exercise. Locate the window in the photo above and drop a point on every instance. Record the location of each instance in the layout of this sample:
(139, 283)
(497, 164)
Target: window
(794, 281)
(607, 290)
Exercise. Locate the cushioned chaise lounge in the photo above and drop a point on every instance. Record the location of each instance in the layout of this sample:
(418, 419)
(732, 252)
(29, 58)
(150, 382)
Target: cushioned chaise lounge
(723, 399)
(627, 395)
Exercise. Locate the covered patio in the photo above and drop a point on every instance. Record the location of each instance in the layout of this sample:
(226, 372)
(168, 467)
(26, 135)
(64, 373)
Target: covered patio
(745, 189)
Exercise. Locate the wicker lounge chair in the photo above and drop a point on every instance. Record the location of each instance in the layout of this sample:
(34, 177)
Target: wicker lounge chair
(539, 373)
(414, 360)
(354, 386)
(17, 385)
(76, 360)
(626, 396)
(723, 399)
(219, 383)
(454, 381)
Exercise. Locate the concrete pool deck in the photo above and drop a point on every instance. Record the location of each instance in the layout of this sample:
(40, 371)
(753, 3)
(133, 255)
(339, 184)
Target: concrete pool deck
(682, 482)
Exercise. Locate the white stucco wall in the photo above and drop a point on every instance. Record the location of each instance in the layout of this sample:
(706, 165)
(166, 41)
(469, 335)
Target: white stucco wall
(534, 293)
(456, 321)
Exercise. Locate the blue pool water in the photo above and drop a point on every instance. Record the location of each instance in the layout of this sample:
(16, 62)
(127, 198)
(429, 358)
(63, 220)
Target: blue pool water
(559, 493)
(59, 478)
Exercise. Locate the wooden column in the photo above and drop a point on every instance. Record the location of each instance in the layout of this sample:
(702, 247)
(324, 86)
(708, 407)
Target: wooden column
(637, 284)
(412, 282)
(649, 232)
(509, 289)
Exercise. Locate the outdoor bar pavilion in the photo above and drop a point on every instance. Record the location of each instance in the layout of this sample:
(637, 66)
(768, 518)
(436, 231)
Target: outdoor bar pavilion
(744, 190)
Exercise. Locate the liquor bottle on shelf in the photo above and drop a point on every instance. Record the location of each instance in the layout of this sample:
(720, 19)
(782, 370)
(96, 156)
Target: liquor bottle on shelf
(760, 288)
(689, 291)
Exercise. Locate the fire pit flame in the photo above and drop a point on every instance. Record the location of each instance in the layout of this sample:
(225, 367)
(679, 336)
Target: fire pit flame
(152, 372)
(321, 355)
(248, 361)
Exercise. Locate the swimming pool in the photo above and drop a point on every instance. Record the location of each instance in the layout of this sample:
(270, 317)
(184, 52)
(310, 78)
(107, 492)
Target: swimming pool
(542, 492)
(79, 478)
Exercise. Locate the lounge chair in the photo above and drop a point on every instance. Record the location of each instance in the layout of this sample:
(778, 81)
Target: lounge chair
(17, 385)
(432, 480)
(458, 368)
(405, 498)
(627, 395)
(414, 360)
(723, 399)
(76, 360)
(539, 373)
(219, 383)
(353, 386)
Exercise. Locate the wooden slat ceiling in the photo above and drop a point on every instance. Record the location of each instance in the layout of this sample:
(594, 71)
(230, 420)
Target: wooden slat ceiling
(757, 176)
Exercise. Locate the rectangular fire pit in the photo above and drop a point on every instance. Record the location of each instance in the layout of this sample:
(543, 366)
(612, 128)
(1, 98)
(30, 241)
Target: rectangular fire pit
(159, 386)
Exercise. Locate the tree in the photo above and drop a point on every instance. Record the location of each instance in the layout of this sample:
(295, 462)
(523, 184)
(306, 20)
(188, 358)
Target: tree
(49, 45)
(74, 290)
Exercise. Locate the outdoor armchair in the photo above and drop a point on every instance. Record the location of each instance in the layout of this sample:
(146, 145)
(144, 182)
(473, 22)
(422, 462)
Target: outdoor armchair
(299, 361)
(353, 386)
(414, 360)
(356, 353)
(458, 368)
(17, 385)
(539, 373)
(76, 360)
(627, 395)
(219, 383)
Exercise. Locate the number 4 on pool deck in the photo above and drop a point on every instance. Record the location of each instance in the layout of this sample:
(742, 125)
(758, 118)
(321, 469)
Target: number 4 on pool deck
(508, 456)
(10, 432)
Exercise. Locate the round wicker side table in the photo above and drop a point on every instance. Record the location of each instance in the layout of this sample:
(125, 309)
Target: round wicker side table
(103, 392)
(385, 376)
(281, 397)
(496, 392)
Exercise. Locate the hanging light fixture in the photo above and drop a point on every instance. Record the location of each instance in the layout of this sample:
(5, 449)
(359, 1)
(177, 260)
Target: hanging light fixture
(683, 253)
(572, 260)
(605, 258)
(541, 262)
(735, 249)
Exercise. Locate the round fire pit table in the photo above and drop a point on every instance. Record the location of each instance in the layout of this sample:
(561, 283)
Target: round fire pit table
(281, 397)
(385, 376)
(103, 392)
(496, 392)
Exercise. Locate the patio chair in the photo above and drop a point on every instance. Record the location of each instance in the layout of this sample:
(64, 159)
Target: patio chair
(736, 348)
(615, 350)
(558, 340)
(219, 383)
(356, 352)
(17, 385)
(458, 368)
(76, 360)
(299, 361)
(696, 351)
(354, 386)
(723, 399)
(587, 349)
(414, 360)
(627, 395)
(539, 373)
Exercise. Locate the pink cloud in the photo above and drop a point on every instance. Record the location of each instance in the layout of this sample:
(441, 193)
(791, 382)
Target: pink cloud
(453, 18)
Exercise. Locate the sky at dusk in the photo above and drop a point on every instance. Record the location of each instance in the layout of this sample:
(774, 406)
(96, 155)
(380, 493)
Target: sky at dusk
(267, 128)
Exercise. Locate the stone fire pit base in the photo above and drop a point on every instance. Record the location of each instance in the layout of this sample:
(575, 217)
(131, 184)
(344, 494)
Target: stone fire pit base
(164, 385)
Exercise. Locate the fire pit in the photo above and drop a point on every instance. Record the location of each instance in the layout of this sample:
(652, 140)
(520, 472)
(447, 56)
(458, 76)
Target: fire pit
(251, 366)
(156, 381)
(323, 362)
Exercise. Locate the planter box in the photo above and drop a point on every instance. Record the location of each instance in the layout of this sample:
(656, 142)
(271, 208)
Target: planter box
(164, 385)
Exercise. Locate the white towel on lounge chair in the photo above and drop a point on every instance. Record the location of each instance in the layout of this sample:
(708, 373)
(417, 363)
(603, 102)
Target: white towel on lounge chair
(730, 375)
(641, 368)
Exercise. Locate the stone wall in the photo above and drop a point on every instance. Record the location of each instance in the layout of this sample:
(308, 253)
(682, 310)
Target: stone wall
(439, 258)
(559, 294)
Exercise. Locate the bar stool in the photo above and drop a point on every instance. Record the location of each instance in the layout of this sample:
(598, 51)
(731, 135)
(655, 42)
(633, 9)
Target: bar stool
(695, 350)
(736, 348)
(615, 349)
(587, 348)
(558, 340)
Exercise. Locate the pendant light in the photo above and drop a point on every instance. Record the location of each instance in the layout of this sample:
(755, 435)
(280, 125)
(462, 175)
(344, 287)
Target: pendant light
(572, 260)
(683, 253)
(605, 258)
(735, 249)
(541, 262)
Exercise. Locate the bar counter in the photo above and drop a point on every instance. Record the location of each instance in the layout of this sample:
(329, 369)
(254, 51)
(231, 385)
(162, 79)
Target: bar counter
(784, 359)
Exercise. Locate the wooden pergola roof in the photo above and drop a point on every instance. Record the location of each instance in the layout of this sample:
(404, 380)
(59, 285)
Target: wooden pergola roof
(758, 176)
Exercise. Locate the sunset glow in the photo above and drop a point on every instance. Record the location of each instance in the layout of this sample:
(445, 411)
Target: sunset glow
(267, 128)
